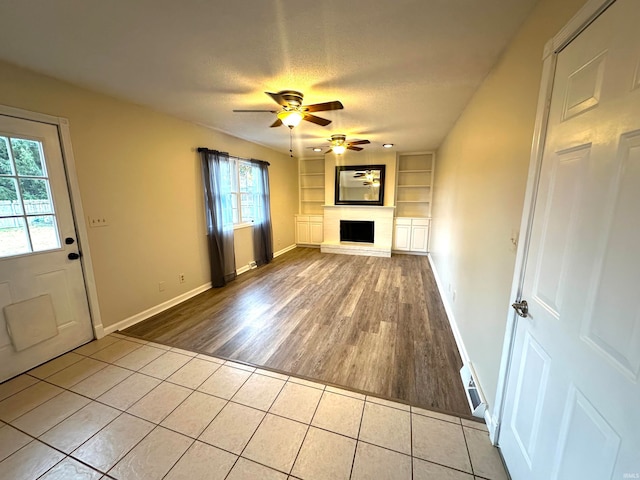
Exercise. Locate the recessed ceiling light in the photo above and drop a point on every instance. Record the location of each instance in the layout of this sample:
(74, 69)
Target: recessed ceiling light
(387, 145)
(317, 149)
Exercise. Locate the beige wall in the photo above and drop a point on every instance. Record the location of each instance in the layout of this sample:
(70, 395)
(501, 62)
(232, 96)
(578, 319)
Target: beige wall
(481, 172)
(139, 169)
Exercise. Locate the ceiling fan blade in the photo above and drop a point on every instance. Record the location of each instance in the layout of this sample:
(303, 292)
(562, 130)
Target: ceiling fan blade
(328, 151)
(317, 120)
(278, 99)
(323, 107)
(277, 123)
(266, 111)
(360, 142)
(357, 149)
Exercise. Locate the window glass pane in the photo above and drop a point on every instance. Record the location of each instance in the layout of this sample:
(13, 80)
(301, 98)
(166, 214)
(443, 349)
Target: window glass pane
(44, 234)
(13, 237)
(35, 194)
(246, 203)
(5, 162)
(9, 202)
(26, 154)
(246, 177)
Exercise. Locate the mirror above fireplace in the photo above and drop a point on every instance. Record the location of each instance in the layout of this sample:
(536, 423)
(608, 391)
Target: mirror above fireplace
(359, 185)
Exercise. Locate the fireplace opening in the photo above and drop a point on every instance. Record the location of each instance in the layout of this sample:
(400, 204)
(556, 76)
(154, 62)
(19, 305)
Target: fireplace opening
(356, 231)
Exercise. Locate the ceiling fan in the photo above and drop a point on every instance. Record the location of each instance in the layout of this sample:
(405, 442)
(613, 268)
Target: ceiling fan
(293, 111)
(339, 144)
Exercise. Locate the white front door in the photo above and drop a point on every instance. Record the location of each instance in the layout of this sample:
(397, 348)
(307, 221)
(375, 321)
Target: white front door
(43, 302)
(572, 406)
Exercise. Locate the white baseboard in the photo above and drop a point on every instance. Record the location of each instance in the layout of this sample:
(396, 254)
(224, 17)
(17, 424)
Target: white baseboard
(241, 270)
(449, 311)
(139, 317)
(491, 425)
(98, 331)
(488, 418)
(150, 312)
(284, 250)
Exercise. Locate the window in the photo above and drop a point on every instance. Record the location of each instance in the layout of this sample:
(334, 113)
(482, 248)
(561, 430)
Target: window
(27, 216)
(244, 194)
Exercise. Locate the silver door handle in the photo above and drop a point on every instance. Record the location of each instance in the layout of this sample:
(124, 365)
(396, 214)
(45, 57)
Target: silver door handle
(521, 308)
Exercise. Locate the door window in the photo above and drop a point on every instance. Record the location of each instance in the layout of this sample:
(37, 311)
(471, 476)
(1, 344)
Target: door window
(27, 215)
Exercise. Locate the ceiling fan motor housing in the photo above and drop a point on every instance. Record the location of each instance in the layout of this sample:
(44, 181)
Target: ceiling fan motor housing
(338, 139)
(293, 98)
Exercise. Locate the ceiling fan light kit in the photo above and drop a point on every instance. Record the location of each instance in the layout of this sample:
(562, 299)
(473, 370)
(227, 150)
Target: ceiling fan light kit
(339, 149)
(293, 111)
(290, 118)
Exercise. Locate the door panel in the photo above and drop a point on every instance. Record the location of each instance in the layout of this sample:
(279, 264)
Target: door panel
(571, 406)
(35, 220)
(617, 279)
(577, 458)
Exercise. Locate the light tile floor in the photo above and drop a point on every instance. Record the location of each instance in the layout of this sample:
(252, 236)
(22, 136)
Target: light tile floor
(128, 409)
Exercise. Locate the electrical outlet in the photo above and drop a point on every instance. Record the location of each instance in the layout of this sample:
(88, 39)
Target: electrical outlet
(161, 286)
(253, 264)
(98, 221)
(181, 277)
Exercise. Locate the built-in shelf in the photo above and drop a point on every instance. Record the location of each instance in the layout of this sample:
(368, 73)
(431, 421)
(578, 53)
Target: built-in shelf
(311, 181)
(414, 179)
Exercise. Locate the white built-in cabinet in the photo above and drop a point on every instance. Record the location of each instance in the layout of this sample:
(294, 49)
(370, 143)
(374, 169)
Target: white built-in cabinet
(411, 234)
(309, 229)
(414, 177)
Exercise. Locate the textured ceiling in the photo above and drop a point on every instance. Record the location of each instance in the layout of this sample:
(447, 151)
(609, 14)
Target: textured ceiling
(404, 70)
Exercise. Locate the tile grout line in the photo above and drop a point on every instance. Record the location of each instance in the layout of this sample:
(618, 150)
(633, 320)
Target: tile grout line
(307, 432)
(411, 440)
(254, 432)
(194, 439)
(355, 452)
(237, 403)
(66, 455)
(466, 444)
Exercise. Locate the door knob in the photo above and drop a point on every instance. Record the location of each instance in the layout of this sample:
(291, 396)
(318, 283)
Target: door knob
(73, 256)
(521, 308)
(69, 241)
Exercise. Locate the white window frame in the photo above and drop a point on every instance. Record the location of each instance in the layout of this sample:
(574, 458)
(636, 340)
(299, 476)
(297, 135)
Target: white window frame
(236, 194)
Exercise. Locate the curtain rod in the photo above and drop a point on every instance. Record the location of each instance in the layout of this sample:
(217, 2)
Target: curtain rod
(205, 149)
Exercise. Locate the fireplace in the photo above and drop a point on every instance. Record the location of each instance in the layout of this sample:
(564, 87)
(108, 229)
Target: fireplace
(380, 225)
(357, 231)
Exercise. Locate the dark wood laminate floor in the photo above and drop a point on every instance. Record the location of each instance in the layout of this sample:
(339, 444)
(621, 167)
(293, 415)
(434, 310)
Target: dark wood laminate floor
(370, 324)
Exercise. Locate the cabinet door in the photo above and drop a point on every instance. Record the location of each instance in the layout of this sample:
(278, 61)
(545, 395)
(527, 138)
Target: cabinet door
(316, 232)
(302, 232)
(419, 238)
(402, 237)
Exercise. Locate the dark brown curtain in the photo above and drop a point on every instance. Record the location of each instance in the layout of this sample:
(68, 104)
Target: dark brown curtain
(262, 234)
(216, 177)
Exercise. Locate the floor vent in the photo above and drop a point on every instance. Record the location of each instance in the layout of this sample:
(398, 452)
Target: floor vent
(474, 395)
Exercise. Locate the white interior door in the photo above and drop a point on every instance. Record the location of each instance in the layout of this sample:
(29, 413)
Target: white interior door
(572, 407)
(43, 302)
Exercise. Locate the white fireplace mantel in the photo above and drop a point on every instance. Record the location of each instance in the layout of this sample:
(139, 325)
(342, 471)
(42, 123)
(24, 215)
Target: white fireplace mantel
(382, 216)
